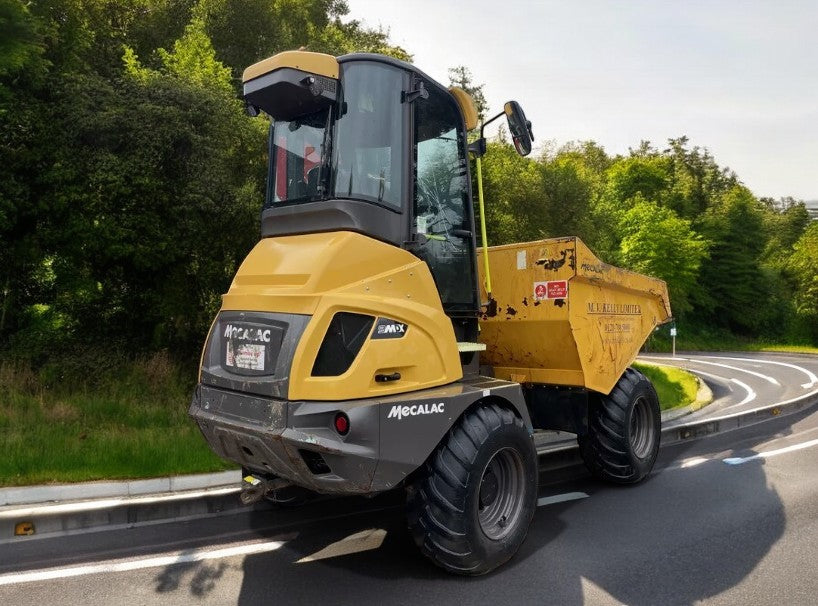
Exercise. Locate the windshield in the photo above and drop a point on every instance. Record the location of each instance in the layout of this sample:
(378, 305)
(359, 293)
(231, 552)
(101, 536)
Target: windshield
(367, 144)
(368, 157)
(296, 158)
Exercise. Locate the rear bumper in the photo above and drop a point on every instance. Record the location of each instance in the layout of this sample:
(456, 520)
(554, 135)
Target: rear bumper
(388, 439)
(292, 440)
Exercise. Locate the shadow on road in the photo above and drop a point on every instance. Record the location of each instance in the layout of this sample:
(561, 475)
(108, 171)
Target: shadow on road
(683, 535)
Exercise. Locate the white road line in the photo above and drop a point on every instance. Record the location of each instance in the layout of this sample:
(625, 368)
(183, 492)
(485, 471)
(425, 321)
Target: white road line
(766, 408)
(561, 498)
(770, 453)
(692, 462)
(184, 557)
(725, 380)
(751, 395)
(749, 372)
(813, 379)
(366, 540)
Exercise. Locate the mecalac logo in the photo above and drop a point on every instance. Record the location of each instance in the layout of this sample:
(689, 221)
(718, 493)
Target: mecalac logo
(245, 333)
(389, 329)
(398, 411)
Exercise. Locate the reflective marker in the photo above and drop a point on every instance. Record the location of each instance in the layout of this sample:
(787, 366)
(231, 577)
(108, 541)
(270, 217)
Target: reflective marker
(771, 453)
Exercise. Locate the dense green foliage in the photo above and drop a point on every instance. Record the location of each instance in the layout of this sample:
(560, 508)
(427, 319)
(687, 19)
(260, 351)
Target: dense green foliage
(734, 264)
(132, 424)
(130, 177)
(131, 180)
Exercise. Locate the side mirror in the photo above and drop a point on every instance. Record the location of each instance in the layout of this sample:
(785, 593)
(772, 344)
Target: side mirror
(520, 128)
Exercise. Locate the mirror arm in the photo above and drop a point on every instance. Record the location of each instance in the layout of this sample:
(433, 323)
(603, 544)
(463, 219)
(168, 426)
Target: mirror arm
(478, 147)
(489, 121)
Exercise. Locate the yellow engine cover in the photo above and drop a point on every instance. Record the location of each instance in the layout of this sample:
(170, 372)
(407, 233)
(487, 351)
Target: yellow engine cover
(325, 273)
(565, 317)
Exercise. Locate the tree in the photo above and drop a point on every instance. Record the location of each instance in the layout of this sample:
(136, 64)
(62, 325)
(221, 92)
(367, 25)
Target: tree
(513, 196)
(19, 43)
(732, 281)
(659, 243)
(339, 38)
(803, 269)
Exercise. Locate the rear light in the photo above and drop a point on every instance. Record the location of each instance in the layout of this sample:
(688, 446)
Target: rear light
(342, 423)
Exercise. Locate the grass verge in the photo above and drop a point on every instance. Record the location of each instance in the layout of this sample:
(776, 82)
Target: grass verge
(674, 386)
(699, 339)
(131, 424)
(130, 421)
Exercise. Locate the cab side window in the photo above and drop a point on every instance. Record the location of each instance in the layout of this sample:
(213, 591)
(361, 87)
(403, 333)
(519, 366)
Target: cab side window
(441, 199)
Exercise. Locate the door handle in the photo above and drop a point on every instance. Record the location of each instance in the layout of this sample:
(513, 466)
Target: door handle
(379, 378)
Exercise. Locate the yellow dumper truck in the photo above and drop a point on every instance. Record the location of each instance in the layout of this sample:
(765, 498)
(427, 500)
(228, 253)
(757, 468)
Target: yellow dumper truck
(366, 344)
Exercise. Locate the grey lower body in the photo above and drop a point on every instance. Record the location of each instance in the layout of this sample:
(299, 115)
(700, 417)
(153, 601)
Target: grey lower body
(388, 438)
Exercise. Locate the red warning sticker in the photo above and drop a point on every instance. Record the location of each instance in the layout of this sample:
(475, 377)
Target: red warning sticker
(558, 289)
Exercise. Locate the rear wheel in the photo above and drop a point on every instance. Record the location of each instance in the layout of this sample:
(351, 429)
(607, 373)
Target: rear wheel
(623, 431)
(470, 509)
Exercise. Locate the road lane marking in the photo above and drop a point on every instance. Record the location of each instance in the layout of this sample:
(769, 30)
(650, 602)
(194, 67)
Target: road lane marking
(561, 498)
(692, 462)
(770, 453)
(769, 379)
(767, 408)
(366, 540)
(751, 395)
(813, 379)
(725, 380)
(184, 557)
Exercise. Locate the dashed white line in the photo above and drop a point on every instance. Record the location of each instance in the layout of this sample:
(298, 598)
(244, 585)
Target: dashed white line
(751, 395)
(692, 462)
(726, 380)
(185, 557)
(561, 498)
(749, 372)
(770, 453)
(813, 379)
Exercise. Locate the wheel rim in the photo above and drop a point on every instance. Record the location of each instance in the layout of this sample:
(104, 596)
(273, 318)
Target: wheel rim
(500, 498)
(641, 432)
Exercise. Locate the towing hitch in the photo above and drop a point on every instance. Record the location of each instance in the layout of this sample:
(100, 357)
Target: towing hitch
(254, 489)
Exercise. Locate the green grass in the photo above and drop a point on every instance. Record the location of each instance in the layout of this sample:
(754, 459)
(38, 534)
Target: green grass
(808, 349)
(131, 424)
(702, 339)
(674, 386)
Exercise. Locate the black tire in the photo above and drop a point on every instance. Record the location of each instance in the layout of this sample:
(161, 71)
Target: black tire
(470, 508)
(624, 429)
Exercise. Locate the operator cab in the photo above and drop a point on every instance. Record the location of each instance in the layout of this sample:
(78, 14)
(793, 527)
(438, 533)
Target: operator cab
(370, 144)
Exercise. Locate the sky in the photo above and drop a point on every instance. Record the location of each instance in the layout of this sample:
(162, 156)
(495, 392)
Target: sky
(737, 77)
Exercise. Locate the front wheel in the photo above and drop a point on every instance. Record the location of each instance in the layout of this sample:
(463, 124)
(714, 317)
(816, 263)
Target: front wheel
(623, 431)
(470, 509)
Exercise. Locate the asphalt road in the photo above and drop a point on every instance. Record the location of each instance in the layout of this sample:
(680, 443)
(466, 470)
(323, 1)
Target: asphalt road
(730, 519)
(744, 381)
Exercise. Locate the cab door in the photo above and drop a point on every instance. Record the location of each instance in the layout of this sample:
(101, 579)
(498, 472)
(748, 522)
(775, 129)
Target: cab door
(442, 211)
